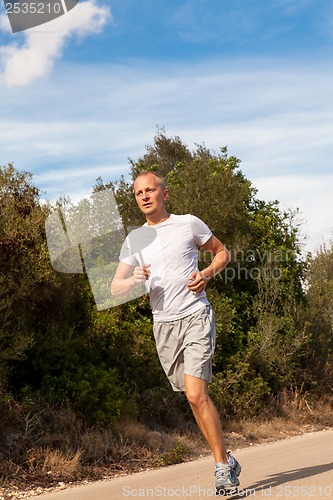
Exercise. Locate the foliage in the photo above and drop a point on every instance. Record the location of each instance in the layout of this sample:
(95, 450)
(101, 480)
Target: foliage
(238, 391)
(318, 319)
(27, 283)
(277, 339)
(46, 329)
(175, 455)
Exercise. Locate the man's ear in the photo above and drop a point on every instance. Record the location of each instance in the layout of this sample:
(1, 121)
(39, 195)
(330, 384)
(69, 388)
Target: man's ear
(165, 195)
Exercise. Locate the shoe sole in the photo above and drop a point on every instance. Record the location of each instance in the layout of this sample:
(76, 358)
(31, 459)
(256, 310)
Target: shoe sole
(223, 492)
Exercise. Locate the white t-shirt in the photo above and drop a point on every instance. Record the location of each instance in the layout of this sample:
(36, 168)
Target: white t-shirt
(171, 249)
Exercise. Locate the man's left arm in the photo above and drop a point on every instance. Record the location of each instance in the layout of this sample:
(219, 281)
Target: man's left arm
(198, 280)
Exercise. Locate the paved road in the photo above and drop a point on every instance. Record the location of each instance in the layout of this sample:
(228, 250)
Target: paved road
(299, 467)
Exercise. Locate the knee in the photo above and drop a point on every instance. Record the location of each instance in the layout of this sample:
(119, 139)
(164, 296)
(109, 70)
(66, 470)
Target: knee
(197, 399)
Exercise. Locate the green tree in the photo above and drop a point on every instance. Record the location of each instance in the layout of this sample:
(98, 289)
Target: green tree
(27, 282)
(45, 315)
(318, 320)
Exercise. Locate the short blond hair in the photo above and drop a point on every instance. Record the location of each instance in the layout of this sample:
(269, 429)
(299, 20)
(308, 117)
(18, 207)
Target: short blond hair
(158, 176)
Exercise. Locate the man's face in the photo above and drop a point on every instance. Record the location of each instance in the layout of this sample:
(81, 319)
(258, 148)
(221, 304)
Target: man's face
(149, 194)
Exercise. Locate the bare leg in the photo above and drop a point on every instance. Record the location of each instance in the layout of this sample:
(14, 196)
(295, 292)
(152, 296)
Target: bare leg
(206, 416)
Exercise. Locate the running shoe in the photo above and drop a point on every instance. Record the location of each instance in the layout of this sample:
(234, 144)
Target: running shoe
(235, 466)
(226, 476)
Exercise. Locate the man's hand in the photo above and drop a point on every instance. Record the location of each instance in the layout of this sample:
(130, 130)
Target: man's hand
(141, 274)
(197, 282)
(127, 277)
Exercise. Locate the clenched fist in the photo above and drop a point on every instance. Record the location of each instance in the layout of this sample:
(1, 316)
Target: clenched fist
(141, 274)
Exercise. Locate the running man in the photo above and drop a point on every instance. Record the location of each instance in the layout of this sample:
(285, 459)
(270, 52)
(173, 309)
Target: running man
(184, 328)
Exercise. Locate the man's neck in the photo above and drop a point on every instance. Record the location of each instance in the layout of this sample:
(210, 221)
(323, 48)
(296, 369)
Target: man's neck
(154, 219)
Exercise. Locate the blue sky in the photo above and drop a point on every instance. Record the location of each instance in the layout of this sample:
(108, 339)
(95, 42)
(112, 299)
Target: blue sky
(82, 93)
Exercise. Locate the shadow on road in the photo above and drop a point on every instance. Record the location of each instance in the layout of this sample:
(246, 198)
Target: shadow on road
(275, 480)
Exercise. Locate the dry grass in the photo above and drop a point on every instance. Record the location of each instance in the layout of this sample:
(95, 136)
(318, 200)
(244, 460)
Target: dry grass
(133, 433)
(131, 444)
(55, 463)
(298, 414)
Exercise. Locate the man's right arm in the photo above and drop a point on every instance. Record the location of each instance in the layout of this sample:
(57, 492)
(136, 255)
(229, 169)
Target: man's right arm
(127, 277)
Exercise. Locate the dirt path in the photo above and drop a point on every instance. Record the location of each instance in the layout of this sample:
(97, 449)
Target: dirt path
(299, 467)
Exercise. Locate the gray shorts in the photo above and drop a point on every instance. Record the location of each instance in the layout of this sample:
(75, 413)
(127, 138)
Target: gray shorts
(186, 346)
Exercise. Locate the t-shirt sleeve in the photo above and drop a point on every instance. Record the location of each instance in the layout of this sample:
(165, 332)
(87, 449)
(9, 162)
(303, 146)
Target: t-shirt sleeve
(126, 254)
(200, 230)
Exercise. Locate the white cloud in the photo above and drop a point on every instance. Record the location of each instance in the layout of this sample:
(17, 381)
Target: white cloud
(4, 24)
(78, 182)
(312, 194)
(22, 64)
